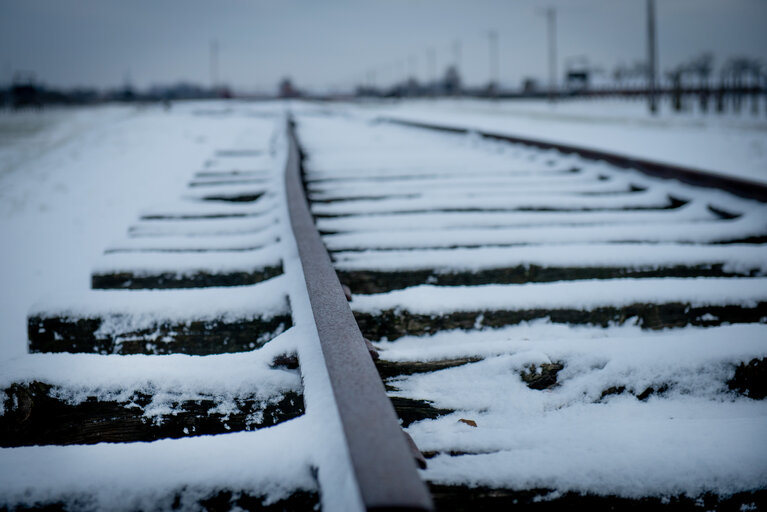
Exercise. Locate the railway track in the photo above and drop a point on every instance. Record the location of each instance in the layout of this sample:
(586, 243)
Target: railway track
(551, 330)
(551, 327)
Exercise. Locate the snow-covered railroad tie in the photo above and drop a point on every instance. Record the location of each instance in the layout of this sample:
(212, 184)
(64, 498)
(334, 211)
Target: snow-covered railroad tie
(553, 330)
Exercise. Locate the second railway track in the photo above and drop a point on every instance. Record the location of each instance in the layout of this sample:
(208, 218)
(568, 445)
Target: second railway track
(551, 330)
(554, 330)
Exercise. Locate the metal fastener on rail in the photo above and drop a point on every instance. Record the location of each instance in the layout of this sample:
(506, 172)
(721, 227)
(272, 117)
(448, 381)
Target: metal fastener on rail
(384, 466)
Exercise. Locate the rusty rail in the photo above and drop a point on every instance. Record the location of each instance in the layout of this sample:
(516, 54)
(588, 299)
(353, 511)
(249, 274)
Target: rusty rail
(384, 467)
(740, 187)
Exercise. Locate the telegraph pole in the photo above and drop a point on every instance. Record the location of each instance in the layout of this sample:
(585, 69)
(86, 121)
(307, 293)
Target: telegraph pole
(457, 54)
(431, 58)
(652, 65)
(412, 69)
(213, 64)
(551, 18)
(492, 39)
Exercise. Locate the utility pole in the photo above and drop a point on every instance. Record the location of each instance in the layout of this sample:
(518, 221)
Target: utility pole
(412, 67)
(457, 54)
(457, 66)
(652, 64)
(214, 64)
(431, 56)
(492, 39)
(551, 18)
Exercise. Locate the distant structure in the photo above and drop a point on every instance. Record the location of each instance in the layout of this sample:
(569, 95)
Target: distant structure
(186, 91)
(286, 89)
(451, 83)
(579, 74)
(125, 94)
(530, 86)
(24, 92)
(652, 58)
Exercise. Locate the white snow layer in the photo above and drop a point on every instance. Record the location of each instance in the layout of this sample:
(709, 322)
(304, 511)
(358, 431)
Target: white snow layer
(478, 187)
(141, 476)
(650, 199)
(186, 207)
(692, 438)
(180, 243)
(698, 232)
(170, 377)
(451, 220)
(138, 309)
(735, 258)
(143, 263)
(201, 227)
(585, 294)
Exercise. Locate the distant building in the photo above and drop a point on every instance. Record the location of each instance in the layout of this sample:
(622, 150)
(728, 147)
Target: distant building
(24, 92)
(577, 74)
(287, 90)
(530, 86)
(577, 80)
(451, 84)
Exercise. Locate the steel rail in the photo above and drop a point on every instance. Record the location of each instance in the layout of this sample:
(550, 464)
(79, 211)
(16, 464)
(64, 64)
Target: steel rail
(698, 177)
(383, 463)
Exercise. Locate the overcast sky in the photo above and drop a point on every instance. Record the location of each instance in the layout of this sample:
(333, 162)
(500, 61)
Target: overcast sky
(335, 43)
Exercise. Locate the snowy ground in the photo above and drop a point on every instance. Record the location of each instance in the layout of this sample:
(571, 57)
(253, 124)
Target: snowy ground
(73, 183)
(729, 144)
(76, 183)
(73, 180)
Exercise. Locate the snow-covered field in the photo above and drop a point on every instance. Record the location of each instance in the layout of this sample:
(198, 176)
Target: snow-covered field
(734, 145)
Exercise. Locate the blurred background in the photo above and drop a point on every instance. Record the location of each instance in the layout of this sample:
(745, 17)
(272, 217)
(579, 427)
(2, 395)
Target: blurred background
(684, 54)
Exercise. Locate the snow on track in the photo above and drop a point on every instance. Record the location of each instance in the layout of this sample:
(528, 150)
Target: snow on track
(736, 258)
(699, 232)
(186, 263)
(144, 308)
(178, 208)
(231, 242)
(201, 227)
(141, 476)
(453, 220)
(184, 233)
(589, 402)
(585, 294)
(530, 201)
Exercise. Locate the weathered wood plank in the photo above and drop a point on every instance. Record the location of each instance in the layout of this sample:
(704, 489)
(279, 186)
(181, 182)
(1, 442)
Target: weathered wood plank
(168, 280)
(35, 417)
(470, 499)
(197, 337)
(375, 281)
(391, 324)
